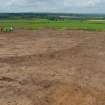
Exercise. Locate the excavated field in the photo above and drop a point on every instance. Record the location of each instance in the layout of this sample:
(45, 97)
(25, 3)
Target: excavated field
(51, 67)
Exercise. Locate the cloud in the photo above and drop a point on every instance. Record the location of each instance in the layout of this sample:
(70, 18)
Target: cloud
(51, 5)
(81, 3)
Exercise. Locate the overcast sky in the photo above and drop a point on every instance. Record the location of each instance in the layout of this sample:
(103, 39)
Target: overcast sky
(70, 6)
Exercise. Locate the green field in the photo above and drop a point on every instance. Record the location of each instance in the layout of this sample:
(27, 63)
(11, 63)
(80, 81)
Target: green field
(64, 24)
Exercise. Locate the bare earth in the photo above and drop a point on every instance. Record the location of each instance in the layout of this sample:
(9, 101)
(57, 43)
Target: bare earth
(50, 67)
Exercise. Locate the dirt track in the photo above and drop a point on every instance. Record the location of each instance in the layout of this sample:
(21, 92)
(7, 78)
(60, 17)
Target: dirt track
(49, 67)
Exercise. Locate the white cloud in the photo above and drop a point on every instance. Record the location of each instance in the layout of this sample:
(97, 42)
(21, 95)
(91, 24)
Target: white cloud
(81, 3)
(51, 5)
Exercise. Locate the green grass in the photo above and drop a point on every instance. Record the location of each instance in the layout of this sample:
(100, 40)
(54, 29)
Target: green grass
(44, 23)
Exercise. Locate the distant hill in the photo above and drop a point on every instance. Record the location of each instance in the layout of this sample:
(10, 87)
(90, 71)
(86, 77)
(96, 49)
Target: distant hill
(50, 15)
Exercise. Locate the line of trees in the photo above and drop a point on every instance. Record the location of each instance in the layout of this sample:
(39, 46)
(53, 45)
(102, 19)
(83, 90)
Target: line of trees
(50, 16)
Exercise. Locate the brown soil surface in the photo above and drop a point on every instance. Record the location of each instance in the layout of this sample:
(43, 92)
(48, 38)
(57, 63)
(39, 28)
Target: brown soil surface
(50, 67)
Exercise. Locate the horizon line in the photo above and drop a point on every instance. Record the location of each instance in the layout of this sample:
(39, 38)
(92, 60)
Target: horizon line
(51, 13)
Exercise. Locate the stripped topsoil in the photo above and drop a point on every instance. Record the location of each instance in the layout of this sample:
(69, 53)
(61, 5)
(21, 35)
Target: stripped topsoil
(50, 67)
